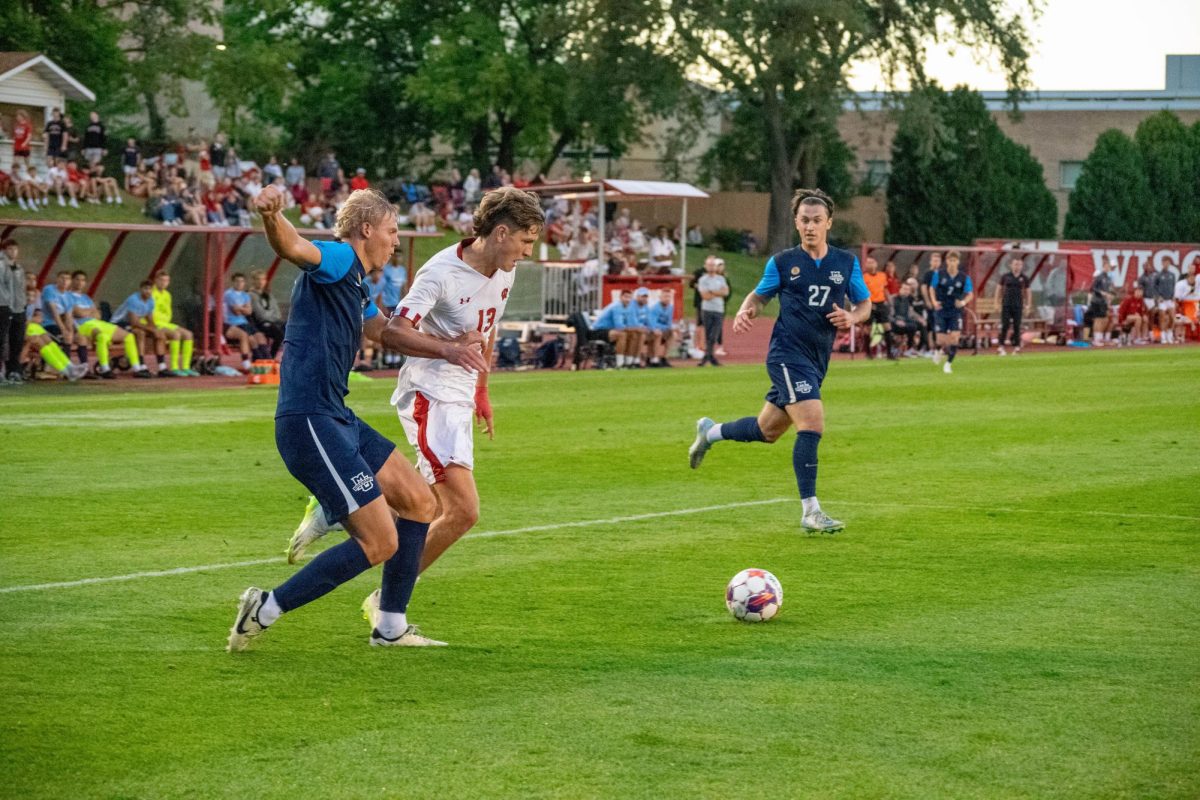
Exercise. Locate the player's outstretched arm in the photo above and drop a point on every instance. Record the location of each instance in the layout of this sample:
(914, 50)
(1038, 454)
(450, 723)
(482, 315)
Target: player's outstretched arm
(281, 234)
(843, 319)
(402, 336)
(751, 307)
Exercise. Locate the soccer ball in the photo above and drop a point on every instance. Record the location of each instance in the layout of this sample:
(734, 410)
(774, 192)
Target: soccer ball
(754, 595)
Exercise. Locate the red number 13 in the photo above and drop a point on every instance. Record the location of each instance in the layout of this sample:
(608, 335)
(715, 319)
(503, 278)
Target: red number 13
(486, 325)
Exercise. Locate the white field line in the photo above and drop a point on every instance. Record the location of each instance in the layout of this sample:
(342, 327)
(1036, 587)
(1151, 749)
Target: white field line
(133, 576)
(587, 523)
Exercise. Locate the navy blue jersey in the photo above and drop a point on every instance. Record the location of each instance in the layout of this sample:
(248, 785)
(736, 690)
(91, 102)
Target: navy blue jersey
(330, 303)
(807, 291)
(948, 290)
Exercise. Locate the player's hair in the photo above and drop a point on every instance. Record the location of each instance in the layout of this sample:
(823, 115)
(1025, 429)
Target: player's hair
(7, 243)
(77, 273)
(257, 272)
(804, 197)
(516, 208)
(362, 207)
(955, 255)
(235, 276)
(144, 284)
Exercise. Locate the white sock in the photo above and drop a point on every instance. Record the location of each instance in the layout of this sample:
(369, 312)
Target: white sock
(392, 623)
(270, 611)
(714, 433)
(810, 504)
(620, 360)
(245, 363)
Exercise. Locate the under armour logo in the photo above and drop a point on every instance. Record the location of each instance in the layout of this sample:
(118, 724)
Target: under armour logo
(363, 482)
(462, 301)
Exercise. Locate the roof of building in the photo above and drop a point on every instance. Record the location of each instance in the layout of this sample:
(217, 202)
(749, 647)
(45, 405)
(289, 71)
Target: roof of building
(13, 63)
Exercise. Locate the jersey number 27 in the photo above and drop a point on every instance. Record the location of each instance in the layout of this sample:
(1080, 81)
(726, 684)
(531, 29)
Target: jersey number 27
(814, 291)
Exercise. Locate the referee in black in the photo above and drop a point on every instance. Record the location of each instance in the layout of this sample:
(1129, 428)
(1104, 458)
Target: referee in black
(1013, 296)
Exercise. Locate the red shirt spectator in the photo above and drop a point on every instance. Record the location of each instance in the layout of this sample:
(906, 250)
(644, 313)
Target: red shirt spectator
(1131, 305)
(22, 130)
(359, 181)
(74, 175)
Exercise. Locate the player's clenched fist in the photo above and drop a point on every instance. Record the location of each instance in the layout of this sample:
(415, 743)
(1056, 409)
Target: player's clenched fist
(269, 201)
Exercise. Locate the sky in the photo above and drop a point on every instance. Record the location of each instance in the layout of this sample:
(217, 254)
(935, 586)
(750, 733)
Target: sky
(1080, 45)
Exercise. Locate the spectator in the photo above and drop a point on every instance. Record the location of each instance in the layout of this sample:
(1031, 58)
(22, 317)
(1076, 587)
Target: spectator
(101, 184)
(611, 324)
(661, 328)
(472, 187)
(265, 311)
(1187, 293)
(359, 181)
(695, 236)
(239, 330)
(12, 310)
(697, 302)
(662, 252)
(82, 182)
(877, 282)
(295, 176)
(272, 170)
(55, 132)
(6, 185)
(36, 187)
(1013, 296)
(893, 281)
(1164, 304)
(327, 172)
(907, 324)
(713, 290)
(495, 179)
(216, 156)
(178, 338)
(22, 134)
(1134, 318)
(637, 327)
(131, 159)
(233, 165)
(192, 206)
(60, 182)
(637, 241)
(252, 186)
(95, 139)
(214, 211)
(1097, 315)
(70, 139)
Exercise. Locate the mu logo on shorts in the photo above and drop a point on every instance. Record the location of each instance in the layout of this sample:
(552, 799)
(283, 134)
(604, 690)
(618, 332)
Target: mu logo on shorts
(363, 482)
(836, 277)
(803, 387)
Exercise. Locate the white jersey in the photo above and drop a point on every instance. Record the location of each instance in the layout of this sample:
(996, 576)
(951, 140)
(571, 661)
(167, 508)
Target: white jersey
(447, 299)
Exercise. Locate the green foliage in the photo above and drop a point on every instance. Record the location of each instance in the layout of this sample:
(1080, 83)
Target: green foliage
(1022, 636)
(1112, 200)
(956, 177)
(1172, 161)
(784, 65)
(727, 238)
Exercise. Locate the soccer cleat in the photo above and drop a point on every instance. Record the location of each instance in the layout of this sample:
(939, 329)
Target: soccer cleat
(76, 371)
(701, 445)
(1002, 351)
(946, 368)
(411, 637)
(937, 359)
(820, 522)
(311, 528)
(247, 626)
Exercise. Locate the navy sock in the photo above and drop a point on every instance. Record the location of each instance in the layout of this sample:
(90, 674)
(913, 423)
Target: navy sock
(327, 571)
(401, 570)
(804, 462)
(81, 353)
(742, 430)
(950, 351)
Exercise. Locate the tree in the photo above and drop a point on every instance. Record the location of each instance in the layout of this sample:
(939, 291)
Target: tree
(1169, 157)
(957, 177)
(1112, 199)
(787, 61)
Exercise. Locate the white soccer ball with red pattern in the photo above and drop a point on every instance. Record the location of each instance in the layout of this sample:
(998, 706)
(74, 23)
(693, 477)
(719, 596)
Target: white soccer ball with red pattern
(754, 595)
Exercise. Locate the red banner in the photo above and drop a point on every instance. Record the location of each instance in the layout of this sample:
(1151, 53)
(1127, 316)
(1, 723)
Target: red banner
(1128, 258)
(671, 285)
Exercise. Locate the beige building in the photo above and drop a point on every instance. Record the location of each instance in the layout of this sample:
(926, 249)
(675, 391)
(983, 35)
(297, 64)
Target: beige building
(1059, 128)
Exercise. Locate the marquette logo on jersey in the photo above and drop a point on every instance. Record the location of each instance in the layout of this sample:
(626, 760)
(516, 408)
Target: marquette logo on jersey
(836, 277)
(362, 482)
(803, 387)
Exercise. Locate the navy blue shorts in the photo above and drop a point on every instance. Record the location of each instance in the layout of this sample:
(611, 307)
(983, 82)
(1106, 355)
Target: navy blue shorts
(334, 459)
(248, 327)
(794, 383)
(948, 321)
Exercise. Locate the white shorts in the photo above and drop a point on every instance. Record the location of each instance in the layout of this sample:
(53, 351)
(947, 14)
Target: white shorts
(442, 433)
(1165, 305)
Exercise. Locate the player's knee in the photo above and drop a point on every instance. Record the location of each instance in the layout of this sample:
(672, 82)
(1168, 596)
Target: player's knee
(380, 549)
(415, 502)
(465, 517)
(770, 435)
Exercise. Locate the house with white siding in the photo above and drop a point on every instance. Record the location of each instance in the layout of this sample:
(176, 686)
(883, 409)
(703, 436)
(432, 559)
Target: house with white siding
(33, 82)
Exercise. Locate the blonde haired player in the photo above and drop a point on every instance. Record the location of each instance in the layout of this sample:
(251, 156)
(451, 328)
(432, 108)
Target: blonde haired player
(461, 290)
(175, 337)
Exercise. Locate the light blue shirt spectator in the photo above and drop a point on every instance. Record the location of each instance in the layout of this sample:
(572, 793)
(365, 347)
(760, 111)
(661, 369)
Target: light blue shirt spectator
(614, 317)
(136, 305)
(235, 298)
(395, 276)
(662, 317)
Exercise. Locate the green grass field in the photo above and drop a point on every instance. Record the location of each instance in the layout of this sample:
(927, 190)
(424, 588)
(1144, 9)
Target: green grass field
(1012, 612)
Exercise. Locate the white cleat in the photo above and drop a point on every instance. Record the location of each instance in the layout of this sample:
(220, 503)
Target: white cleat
(76, 371)
(311, 528)
(937, 359)
(411, 637)
(946, 368)
(247, 626)
(820, 522)
(1001, 352)
(701, 445)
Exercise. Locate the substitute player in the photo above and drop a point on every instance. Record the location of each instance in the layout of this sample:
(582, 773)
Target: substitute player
(354, 472)
(461, 290)
(90, 329)
(136, 315)
(813, 282)
(951, 292)
(176, 337)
